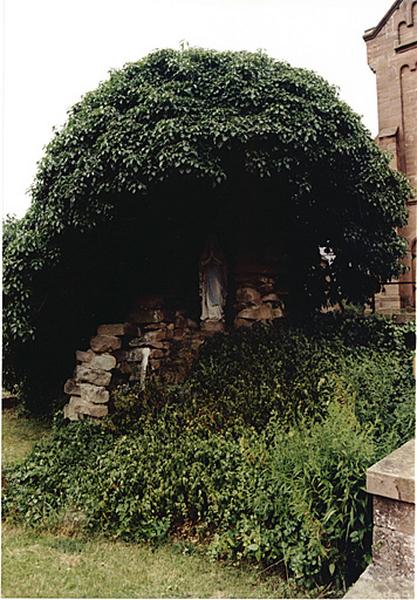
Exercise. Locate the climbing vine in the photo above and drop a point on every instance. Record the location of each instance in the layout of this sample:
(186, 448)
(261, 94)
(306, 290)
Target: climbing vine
(127, 181)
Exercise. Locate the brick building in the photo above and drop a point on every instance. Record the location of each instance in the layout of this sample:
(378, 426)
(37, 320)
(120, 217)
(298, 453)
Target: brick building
(392, 56)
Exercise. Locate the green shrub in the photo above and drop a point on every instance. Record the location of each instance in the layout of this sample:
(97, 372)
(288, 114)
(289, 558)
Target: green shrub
(50, 477)
(276, 497)
(260, 455)
(308, 510)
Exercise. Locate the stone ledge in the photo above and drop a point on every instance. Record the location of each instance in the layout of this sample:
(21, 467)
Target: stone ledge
(393, 476)
(374, 583)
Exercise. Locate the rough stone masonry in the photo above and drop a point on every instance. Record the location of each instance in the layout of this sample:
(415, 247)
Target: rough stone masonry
(392, 56)
(159, 339)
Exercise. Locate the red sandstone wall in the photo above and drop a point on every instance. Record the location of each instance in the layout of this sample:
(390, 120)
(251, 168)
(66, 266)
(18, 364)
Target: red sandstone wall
(392, 55)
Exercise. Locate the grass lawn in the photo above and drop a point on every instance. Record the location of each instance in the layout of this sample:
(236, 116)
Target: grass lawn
(19, 434)
(44, 564)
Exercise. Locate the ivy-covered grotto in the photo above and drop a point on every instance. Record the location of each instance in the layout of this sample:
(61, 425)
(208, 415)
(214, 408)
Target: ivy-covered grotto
(190, 194)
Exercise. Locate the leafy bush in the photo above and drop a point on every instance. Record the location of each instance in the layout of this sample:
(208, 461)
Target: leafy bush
(148, 151)
(306, 505)
(279, 497)
(260, 455)
(294, 370)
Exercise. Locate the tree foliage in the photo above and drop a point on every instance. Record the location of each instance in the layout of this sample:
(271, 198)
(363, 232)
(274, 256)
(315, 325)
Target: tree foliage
(174, 145)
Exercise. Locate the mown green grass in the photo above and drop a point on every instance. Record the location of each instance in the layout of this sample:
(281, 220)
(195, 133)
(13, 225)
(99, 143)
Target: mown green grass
(46, 564)
(19, 434)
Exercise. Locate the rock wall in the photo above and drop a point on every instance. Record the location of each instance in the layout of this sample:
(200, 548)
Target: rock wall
(155, 340)
(159, 339)
(257, 297)
(89, 387)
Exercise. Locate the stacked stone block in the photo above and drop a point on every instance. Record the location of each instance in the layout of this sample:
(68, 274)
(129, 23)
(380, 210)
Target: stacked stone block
(169, 335)
(155, 340)
(88, 389)
(257, 300)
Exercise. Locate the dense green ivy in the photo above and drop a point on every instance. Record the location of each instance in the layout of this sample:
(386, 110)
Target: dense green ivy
(167, 148)
(260, 455)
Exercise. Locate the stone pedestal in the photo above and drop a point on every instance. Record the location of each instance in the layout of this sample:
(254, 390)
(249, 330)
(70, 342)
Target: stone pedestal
(391, 482)
(212, 327)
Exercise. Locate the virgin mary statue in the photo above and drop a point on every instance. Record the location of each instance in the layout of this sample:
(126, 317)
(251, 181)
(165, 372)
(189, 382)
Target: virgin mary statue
(213, 282)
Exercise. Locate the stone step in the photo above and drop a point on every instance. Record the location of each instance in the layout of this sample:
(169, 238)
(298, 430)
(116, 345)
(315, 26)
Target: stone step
(374, 583)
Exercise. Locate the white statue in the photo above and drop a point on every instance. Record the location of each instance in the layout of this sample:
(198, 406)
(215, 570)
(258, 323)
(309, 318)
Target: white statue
(213, 282)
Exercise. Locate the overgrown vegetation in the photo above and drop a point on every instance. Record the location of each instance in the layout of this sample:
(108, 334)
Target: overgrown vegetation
(259, 456)
(57, 564)
(144, 155)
